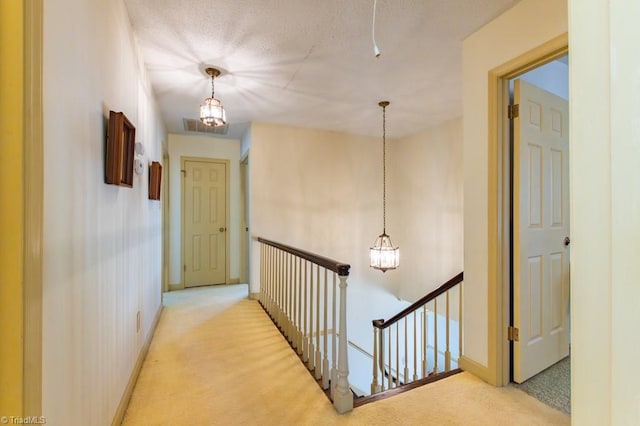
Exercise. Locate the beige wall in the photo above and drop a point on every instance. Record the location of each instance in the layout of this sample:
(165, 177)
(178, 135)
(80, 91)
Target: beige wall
(605, 207)
(425, 193)
(203, 147)
(11, 212)
(316, 190)
(527, 25)
(102, 243)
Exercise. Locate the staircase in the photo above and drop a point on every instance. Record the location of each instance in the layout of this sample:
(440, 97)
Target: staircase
(420, 344)
(305, 296)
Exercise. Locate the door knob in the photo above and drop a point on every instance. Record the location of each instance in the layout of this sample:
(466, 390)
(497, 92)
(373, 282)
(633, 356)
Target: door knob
(222, 229)
(567, 241)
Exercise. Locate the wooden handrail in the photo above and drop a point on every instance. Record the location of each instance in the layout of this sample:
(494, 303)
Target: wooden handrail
(382, 324)
(330, 264)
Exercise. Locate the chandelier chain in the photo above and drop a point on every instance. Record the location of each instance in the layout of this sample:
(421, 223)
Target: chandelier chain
(212, 87)
(384, 170)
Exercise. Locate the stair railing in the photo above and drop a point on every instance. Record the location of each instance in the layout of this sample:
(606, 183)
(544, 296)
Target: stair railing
(298, 289)
(421, 337)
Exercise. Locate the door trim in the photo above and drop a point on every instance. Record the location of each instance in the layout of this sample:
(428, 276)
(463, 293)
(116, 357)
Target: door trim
(499, 184)
(244, 224)
(165, 200)
(227, 240)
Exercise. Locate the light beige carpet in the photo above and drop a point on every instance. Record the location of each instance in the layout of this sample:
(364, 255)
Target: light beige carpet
(217, 359)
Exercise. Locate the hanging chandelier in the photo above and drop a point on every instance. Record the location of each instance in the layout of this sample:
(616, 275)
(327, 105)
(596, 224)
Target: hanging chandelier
(212, 113)
(383, 255)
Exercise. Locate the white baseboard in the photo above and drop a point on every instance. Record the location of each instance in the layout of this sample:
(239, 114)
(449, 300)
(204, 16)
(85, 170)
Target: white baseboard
(124, 401)
(177, 286)
(474, 368)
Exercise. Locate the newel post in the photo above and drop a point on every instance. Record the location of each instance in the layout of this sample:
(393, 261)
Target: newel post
(342, 397)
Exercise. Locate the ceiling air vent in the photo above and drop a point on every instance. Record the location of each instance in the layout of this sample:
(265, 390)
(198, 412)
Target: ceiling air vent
(192, 125)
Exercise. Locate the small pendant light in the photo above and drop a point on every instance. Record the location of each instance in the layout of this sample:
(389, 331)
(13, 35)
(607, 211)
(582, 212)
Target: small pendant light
(383, 255)
(212, 113)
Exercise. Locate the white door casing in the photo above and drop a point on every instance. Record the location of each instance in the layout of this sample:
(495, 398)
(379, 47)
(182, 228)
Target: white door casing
(204, 222)
(541, 223)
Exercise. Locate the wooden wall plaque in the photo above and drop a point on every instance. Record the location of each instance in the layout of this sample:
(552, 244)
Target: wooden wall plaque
(120, 150)
(155, 178)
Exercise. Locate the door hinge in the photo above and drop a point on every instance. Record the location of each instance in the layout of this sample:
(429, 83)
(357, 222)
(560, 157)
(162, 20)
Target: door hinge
(184, 172)
(513, 111)
(184, 268)
(514, 334)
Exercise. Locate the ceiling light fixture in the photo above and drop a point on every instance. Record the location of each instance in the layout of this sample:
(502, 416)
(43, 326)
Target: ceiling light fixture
(383, 255)
(212, 113)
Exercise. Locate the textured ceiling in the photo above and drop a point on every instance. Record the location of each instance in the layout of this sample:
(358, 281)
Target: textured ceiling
(310, 63)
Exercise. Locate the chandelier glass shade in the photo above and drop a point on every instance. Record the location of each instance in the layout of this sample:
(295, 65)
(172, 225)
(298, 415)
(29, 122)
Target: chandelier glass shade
(212, 113)
(383, 255)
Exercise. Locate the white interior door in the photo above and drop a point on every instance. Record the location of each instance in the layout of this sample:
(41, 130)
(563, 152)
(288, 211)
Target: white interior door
(204, 216)
(541, 224)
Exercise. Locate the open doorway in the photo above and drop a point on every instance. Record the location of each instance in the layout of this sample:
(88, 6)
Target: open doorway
(539, 233)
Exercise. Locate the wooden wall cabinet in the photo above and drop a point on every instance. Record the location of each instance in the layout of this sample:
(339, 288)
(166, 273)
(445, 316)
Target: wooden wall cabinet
(120, 150)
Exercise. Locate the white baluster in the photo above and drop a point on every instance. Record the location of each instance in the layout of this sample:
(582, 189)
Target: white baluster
(266, 278)
(374, 381)
(425, 342)
(318, 361)
(325, 361)
(406, 352)
(290, 299)
(312, 350)
(300, 314)
(279, 288)
(283, 293)
(293, 319)
(381, 362)
(305, 300)
(334, 369)
(281, 270)
(293, 334)
(274, 283)
(447, 352)
(270, 281)
(415, 346)
(262, 290)
(435, 335)
(459, 323)
(343, 398)
(272, 288)
(397, 354)
(389, 376)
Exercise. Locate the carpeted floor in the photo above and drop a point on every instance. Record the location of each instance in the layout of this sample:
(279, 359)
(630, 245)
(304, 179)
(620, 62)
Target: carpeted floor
(217, 359)
(552, 386)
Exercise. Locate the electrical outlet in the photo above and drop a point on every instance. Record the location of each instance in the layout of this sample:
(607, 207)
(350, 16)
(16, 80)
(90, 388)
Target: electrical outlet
(138, 322)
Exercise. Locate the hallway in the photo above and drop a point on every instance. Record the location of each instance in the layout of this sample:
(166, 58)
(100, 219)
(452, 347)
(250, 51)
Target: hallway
(217, 359)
